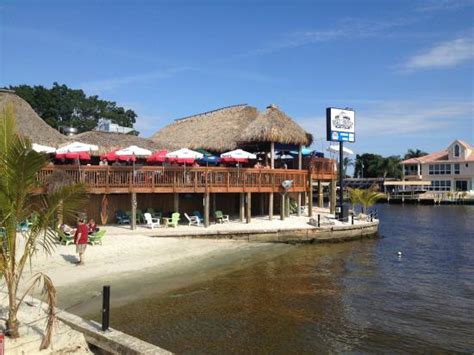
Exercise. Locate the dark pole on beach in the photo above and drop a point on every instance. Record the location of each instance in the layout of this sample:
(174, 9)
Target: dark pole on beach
(341, 181)
(105, 308)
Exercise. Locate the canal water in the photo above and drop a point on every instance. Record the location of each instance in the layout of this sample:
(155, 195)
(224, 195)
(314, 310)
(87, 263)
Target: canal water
(349, 297)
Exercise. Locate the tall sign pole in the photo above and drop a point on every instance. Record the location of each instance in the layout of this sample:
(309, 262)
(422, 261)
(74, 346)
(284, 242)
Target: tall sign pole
(341, 181)
(340, 127)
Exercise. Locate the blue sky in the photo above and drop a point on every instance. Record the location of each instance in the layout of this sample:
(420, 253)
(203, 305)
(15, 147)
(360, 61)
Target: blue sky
(406, 67)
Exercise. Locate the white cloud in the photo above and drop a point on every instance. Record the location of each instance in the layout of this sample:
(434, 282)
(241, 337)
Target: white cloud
(442, 5)
(344, 28)
(444, 55)
(100, 86)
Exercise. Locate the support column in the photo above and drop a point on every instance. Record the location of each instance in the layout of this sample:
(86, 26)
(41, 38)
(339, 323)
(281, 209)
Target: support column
(272, 155)
(249, 207)
(270, 206)
(214, 208)
(298, 212)
(133, 222)
(333, 196)
(320, 194)
(282, 207)
(206, 209)
(176, 202)
(287, 206)
(310, 197)
(242, 206)
(300, 166)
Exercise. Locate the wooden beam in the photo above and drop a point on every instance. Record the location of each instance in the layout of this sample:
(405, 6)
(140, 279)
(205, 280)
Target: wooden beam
(272, 155)
(282, 207)
(333, 196)
(133, 222)
(176, 202)
(320, 194)
(249, 207)
(242, 206)
(270, 206)
(310, 197)
(206, 209)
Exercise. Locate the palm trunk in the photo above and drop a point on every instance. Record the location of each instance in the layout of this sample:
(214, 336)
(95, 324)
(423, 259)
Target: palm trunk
(12, 322)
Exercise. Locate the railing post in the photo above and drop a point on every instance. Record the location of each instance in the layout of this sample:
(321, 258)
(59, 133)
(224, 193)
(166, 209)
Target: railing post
(105, 308)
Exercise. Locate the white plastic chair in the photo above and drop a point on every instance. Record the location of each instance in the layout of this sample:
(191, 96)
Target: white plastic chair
(193, 220)
(150, 221)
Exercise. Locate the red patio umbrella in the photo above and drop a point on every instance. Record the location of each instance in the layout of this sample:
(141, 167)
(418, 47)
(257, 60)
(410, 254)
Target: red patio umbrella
(112, 156)
(157, 157)
(74, 156)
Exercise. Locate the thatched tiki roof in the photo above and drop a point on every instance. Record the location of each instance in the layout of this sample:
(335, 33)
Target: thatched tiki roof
(231, 127)
(108, 141)
(275, 126)
(29, 124)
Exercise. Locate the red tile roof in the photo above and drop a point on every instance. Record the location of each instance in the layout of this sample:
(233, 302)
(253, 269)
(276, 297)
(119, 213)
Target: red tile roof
(441, 155)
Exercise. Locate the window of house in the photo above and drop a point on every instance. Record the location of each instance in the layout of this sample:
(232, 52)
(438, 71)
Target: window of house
(456, 150)
(440, 169)
(456, 169)
(441, 185)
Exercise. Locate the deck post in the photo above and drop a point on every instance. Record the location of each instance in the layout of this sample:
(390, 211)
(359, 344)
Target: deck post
(333, 196)
(320, 194)
(242, 206)
(214, 208)
(282, 207)
(300, 166)
(206, 209)
(310, 197)
(249, 207)
(287, 205)
(176, 202)
(270, 206)
(272, 155)
(133, 222)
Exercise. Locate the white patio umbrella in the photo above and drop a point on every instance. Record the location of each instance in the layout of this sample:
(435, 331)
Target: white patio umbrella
(184, 155)
(76, 147)
(43, 148)
(237, 155)
(335, 149)
(134, 150)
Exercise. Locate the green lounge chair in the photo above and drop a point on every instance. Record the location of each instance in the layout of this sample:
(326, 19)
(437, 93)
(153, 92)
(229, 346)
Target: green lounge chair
(96, 238)
(173, 221)
(65, 239)
(153, 213)
(220, 217)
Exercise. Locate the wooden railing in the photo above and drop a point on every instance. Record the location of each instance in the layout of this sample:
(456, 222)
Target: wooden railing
(323, 169)
(109, 179)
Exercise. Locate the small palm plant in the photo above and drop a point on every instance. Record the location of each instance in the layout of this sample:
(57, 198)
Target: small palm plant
(19, 201)
(365, 197)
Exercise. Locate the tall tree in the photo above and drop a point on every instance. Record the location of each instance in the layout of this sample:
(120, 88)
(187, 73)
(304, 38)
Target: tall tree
(414, 153)
(36, 216)
(63, 106)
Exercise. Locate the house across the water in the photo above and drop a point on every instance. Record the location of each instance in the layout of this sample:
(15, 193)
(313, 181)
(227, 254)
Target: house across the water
(449, 170)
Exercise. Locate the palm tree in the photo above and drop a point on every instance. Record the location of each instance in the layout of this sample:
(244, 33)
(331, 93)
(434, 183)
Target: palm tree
(354, 197)
(19, 167)
(414, 153)
(346, 162)
(368, 197)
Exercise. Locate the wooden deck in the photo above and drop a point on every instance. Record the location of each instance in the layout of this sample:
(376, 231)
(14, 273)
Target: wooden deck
(149, 179)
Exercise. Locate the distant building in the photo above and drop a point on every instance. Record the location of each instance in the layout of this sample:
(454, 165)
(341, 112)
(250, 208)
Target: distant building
(105, 125)
(451, 169)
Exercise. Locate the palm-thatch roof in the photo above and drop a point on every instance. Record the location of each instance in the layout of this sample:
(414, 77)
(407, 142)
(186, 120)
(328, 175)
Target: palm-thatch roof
(28, 123)
(109, 141)
(222, 129)
(274, 125)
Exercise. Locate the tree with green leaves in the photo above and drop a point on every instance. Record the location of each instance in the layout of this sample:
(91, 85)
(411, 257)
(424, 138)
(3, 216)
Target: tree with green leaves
(376, 166)
(63, 106)
(414, 153)
(365, 197)
(28, 221)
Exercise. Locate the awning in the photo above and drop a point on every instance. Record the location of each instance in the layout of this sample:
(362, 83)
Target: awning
(407, 183)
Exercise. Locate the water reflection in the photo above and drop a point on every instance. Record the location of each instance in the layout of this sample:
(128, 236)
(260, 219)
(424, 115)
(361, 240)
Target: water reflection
(351, 297)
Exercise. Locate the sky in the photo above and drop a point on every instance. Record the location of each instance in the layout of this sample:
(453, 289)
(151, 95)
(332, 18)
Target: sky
(405, 67)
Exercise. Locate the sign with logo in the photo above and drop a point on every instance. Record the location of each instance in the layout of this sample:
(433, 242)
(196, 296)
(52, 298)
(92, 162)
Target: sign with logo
(340, 125)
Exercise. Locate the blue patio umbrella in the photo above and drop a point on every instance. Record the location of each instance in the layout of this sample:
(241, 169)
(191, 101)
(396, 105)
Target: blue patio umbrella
(304, 151)
(209, 159)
